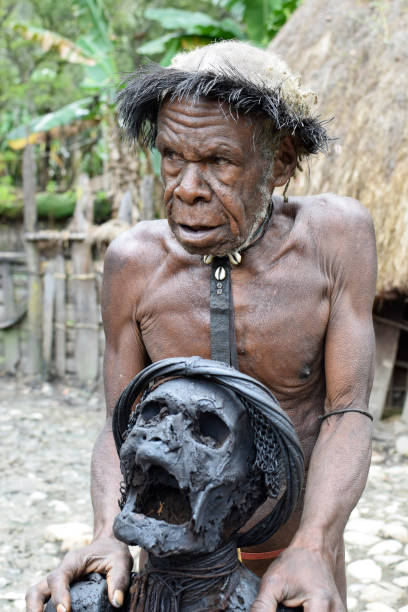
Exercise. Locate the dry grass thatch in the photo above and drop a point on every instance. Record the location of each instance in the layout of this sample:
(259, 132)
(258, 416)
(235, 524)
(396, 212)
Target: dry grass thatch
(354, 53)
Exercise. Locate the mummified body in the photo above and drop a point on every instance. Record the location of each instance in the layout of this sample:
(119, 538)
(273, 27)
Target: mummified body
(204, 448)
(190, 456)
(193, 477)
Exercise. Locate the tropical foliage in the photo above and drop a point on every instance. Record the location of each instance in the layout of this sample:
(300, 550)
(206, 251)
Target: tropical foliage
(60, 62)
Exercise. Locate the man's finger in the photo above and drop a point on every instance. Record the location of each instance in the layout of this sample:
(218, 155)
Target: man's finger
(59, 581)
(322, 603)
(37, 596)
(118, 578)
(268, 604)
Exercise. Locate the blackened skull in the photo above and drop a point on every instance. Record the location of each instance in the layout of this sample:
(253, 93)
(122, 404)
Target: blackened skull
(187, 464)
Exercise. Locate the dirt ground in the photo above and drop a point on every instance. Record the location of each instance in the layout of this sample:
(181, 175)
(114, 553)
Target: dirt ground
(46, 436)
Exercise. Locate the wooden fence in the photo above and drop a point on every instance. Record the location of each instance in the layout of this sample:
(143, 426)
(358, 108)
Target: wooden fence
(57, 331)
(50, 321)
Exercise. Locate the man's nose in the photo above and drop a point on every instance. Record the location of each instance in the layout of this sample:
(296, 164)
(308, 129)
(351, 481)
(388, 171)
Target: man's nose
(192, 187)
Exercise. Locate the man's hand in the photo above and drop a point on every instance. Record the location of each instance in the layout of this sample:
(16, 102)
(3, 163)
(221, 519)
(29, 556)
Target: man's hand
(106, 556)
(299, 577)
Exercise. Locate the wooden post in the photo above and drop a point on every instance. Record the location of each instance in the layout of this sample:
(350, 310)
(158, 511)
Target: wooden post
(48, 316)
(147, 196)
(404, 414)
(34, 357)
(85, 295)
(10, 335)
(387, 338)
(60, 314)
(125, 208)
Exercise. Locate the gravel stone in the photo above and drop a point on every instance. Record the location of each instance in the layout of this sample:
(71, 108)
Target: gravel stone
(365, 570)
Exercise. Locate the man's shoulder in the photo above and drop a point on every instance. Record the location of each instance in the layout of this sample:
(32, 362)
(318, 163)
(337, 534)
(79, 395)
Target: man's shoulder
(330, 211)
(142, 244)
(338, 223)
(342, 231)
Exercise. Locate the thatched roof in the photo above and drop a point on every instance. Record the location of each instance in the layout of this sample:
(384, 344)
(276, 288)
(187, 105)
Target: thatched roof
(354, 54)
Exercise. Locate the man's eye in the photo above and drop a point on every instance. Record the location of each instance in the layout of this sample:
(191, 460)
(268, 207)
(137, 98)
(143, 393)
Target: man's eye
(220, 161)
(171, 155)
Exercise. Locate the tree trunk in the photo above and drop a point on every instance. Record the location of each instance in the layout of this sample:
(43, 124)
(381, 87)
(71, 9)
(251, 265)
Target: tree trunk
(122, 168)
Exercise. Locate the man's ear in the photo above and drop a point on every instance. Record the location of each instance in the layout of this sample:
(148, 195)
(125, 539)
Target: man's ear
(284, 162)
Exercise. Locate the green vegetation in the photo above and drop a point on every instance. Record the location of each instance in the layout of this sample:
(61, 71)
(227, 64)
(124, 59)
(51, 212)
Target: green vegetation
(50, 205)
(60, 62)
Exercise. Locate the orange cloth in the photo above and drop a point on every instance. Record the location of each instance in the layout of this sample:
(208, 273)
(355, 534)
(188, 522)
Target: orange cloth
(269, 554)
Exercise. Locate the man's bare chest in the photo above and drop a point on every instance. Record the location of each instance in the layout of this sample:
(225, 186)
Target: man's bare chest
(281, 316)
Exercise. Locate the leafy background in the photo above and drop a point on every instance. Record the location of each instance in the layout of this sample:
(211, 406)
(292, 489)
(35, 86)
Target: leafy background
(61, 61)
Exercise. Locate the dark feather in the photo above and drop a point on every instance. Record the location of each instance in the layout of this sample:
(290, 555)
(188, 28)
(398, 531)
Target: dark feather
(139, 103)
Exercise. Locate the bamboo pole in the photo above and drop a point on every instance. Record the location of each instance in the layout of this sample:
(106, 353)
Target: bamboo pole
(10, 335)
(147, 197)
(48, 316)
(60, 315)
(85, 295)
(34, 357)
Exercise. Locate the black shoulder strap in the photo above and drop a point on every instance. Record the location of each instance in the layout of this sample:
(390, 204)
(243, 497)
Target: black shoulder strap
(223, 342)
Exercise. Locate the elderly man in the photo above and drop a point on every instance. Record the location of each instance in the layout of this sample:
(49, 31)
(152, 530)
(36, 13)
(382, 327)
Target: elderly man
(231, 124)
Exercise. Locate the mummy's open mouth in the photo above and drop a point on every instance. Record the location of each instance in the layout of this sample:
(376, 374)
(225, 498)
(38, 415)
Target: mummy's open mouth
(162, 499)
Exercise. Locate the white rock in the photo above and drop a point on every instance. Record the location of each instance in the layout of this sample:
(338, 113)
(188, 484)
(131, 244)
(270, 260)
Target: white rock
(385, 593)
(36, 496)
(401, 581)
(355, 588)
(379, 607)
(59, 506)
(402, 567)
(394, 530)
(368, 526)
(386, 547)
(365, 570)
(15, 412)
(395, 471)
(355, 513)
(388, 560)
(404, 609)
(3, 582)
(352, 603)
(402, 445)
(361, 540)
(72, 535)
(12, 596)
(377, 457)
(46, 389)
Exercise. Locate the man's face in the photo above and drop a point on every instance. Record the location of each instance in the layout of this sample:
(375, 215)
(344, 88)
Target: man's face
(217, 184)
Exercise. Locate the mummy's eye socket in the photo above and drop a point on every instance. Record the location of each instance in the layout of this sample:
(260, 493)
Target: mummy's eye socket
(211, 426)
(151, 410)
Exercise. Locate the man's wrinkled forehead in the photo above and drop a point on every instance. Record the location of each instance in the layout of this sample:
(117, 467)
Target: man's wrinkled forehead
(203, 113)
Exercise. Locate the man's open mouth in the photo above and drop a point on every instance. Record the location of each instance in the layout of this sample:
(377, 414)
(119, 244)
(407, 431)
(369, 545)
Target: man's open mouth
(161, 498)
(198, 229)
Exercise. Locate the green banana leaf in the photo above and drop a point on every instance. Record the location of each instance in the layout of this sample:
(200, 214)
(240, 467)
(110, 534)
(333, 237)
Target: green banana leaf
(190, 22)
(79, 110)
(48, 40)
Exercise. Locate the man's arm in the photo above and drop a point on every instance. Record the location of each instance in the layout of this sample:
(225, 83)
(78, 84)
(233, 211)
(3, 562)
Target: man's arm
(124, 357)
(306, 573)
